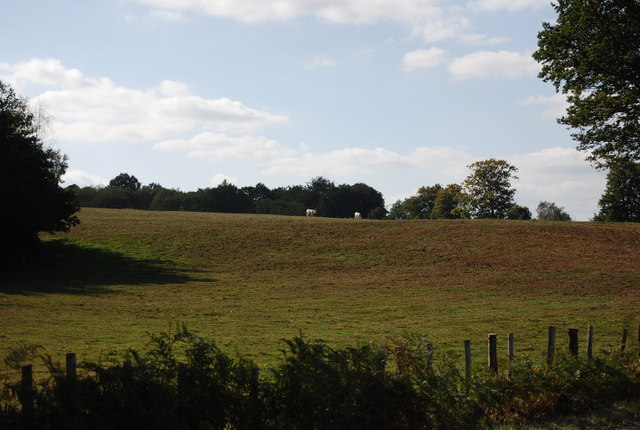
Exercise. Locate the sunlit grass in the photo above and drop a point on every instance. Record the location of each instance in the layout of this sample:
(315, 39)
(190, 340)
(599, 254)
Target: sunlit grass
(248, 281)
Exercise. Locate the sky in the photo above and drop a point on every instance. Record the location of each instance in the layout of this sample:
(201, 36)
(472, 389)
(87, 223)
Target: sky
(397, 94)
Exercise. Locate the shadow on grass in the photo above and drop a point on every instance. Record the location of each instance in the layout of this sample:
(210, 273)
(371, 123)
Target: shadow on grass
(71, 269)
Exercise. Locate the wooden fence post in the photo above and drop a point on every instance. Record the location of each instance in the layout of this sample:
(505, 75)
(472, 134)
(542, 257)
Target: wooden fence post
(551, 345)
(623, 344)
(467, 363)
(429, 355)
(492, 340)
(26, 396)
(590, 342)
(254, 399)
(512, 353)
(255, 377)
(71, 369)
(71, 402)
(573, 341)
(183, 370)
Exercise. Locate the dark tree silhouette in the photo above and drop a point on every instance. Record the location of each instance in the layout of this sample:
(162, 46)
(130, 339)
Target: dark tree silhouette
(32, 199)
(621, 199)
(519, 212)
(125, 181)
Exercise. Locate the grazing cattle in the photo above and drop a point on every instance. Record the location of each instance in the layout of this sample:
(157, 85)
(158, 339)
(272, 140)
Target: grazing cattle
(311, 212)
(357, 215)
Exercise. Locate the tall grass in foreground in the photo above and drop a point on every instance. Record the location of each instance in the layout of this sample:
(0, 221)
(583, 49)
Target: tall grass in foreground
(314, 386)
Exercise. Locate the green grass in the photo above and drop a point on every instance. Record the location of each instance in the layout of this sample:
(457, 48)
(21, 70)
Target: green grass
(247, 281)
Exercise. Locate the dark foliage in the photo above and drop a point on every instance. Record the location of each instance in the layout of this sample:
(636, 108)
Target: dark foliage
(518, 212)
(621, 199)
(422, 204)
(400, 386)
(447, 203)
(125, 181)
(591, 53)
(548, 211)
(32, 199)
(125, 191)
(434, 202)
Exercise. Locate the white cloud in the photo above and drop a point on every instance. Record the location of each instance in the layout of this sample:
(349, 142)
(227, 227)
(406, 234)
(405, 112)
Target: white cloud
(320, 60)
(552, 164)
(450, 163)
(88, 109)
(428, 18)
(560, 175)
(481, 39)
(444, 24)
(336, 11)
(424, 59)
(46, 72)
(82, 178)
(167, 15)
(173, 89)
(447, 161)
(339, 162)
(445, 27)
(511, 5)
(495, 64)
(219, 178)
(555, 106)
(219, 146)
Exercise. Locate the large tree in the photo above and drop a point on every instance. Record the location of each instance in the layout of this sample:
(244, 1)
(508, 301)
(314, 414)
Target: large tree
(487, 190)
(126, 182)
(548, 211)
(621, 199)
(421, 205)
(399, 210)
(447, 203)
(366, 200)
(518, 212)
(592, 55)
(32, 199)
(430, 202)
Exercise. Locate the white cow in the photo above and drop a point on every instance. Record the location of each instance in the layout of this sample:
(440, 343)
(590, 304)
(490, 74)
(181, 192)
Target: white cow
(311, 212)
(357, 215)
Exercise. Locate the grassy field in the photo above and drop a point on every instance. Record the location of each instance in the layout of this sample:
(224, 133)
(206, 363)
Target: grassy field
(247, 281)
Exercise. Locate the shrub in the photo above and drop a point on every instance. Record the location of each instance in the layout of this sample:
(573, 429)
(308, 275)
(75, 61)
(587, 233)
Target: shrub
(518, 212)
(548, 211)
(315, 386)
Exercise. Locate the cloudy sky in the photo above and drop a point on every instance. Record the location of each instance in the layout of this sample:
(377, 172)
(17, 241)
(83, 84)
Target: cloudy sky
(393, 93)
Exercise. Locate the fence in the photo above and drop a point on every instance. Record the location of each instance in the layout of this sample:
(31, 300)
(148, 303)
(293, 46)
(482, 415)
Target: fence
(26, 395)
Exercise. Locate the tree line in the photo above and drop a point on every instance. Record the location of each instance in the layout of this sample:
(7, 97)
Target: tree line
(321, 194)
(486, 193)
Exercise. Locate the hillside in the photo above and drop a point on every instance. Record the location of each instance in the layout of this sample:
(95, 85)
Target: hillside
(248, 281)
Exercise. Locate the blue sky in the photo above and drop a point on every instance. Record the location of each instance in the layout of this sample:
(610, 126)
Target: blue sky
(393, 93)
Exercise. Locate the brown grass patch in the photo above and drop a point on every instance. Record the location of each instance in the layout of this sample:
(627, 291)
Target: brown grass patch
(249, 280)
